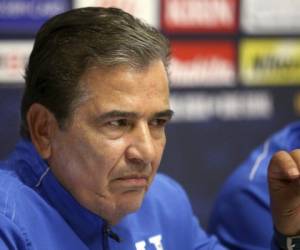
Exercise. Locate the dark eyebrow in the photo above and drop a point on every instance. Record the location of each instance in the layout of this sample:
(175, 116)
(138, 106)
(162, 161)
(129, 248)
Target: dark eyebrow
(116, 114)
(131, 115)
(166, 113)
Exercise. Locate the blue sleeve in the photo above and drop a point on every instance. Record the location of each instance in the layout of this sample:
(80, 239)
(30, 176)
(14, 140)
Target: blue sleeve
(202, 241)
(241, 217)
(242, 223)
(11, 238)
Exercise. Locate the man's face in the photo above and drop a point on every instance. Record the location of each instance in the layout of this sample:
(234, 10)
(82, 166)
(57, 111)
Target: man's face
(108, 155)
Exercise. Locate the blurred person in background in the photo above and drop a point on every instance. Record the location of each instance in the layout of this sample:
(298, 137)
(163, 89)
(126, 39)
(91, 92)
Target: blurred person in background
(241, 217)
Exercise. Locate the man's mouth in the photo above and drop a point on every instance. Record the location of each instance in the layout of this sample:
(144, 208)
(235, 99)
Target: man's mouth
(133, 181)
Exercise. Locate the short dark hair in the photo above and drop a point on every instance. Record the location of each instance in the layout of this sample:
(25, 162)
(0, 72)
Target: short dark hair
(71, 42)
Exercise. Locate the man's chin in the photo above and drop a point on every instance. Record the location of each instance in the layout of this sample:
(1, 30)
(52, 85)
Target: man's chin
(131, 200)
(119, 204)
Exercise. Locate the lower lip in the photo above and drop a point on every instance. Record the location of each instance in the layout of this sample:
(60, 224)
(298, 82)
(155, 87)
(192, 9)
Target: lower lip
(133, 182)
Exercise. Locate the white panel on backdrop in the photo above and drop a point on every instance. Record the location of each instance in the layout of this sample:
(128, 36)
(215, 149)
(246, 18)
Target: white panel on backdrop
(270, 16)
(224, 106)
(147, 10)
(13, 58)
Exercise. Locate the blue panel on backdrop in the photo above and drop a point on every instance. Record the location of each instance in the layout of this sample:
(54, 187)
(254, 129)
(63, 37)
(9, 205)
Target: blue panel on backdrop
(26, 16)
(10, 98)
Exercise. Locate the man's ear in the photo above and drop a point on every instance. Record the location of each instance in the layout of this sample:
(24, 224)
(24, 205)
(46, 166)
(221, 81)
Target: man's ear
(42, 125)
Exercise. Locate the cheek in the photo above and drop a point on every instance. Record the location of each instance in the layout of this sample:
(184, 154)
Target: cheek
(159, 151)
(162, 143)
(102, 156)
(80, 158)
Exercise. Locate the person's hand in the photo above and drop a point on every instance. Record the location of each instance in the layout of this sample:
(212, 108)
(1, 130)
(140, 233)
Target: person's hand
(284, 186)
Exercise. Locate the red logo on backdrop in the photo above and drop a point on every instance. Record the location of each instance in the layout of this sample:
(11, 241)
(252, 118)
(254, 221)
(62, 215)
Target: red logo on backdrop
(193, 16)
(202, 63)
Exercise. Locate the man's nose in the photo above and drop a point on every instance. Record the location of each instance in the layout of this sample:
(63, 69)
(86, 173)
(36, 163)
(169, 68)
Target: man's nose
(141, 149)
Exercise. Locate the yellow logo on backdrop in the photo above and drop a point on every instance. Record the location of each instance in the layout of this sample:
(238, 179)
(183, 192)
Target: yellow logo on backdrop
(270, 61)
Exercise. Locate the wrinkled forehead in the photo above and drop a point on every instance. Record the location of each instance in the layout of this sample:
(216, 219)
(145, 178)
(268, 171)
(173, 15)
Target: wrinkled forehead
(149, 78)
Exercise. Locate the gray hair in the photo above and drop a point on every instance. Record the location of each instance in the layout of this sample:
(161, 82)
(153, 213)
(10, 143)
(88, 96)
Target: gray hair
(71, 42)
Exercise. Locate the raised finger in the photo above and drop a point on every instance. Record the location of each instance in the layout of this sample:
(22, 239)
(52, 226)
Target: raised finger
(284, 166)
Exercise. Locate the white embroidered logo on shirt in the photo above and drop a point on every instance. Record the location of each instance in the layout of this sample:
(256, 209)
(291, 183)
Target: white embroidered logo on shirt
(154, 240)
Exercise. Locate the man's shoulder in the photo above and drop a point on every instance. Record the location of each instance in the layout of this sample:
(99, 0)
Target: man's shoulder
(252, 173)
(13, 193)
(164, 184)
(9, 181)
(250, 177)
(165, 203)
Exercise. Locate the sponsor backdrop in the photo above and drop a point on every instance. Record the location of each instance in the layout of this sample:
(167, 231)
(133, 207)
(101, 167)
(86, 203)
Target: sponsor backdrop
(235, 78)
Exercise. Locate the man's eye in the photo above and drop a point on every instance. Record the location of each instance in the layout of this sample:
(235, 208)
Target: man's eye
(118, 123)
(159, 122)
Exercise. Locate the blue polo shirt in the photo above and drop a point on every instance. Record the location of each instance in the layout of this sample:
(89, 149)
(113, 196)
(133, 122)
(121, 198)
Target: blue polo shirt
(37, 213)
